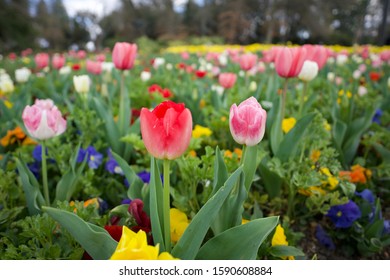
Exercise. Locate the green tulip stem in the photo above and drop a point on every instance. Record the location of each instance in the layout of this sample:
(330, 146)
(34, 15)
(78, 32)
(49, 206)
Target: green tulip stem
(44, 175)
(284, 93)
(166, 206)
(122, 105)
(302, 101)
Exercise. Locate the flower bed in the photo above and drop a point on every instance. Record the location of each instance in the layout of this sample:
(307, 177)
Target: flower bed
(277, 153)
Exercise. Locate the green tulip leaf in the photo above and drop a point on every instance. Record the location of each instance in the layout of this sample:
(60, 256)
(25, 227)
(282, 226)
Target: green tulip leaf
(188, 245)
(289, 146)
(94, 239)
(238, 243)
(31, 188)
(285, 251)
(68, 182)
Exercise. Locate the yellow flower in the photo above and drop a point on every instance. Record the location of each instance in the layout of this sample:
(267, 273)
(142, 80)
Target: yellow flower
(349, 94)
(312, 190)
(288, 124)
(223, 119)
(244, 221)
(8, 104)
(279, 238)
(179, 223)
(228, 154)
(192, 153)
(327, 126)
(338, 100)
(238, 152)
(341, 92)
(315, 155)
(333, 182)
(200, 131)
(134, 246)
(202, 103)
(26, 60)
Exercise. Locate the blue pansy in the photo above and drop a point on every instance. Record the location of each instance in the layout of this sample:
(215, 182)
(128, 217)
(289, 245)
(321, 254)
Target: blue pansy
(324, 239)
(145, 176)
(94, 158)
(344, 215)
(126, 201)
(377, 116)
(367, 195)
(112, 165)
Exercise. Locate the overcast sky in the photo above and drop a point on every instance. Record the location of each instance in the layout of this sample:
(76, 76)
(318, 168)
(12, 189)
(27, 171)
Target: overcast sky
(102, 7)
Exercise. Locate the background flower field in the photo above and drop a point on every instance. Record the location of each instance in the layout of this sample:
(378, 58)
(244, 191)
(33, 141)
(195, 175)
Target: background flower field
(302, 147)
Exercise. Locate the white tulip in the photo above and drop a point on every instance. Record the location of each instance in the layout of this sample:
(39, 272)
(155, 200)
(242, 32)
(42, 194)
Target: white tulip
(65, 70)
(309, 71)
(82, 83)
(341, 59)
(145, 76)
(22, 74)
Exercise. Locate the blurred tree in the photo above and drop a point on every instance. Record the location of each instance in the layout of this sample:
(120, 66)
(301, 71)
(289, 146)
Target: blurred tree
(16, 31)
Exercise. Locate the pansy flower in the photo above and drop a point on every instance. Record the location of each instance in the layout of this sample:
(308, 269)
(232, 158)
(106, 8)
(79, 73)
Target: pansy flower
(94, 158)
(344, 215)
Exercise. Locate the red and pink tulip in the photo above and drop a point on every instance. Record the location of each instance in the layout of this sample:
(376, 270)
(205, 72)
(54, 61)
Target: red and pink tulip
(166, 131)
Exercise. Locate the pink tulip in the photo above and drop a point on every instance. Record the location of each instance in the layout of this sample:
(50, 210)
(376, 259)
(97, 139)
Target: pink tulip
(94, 67)
(247, 122)
(289, 61)
(43, 120)
(124, 55)
(58, 61)
(100, 57)
(41, 60)
(227, 80)
(271, 54)
(248, 61)
(316, 53)
(166, 131)
(81, 54)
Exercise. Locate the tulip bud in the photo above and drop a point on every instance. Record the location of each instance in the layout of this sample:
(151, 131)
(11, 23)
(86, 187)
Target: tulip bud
(227, 80)
(289, 61)
(22, 75)
(41, 60)
(58, 61)
(247, 122)
(43, 120)
(66, 70)
(123, 55)
(309, 71)
(82, 83)
(171, 124)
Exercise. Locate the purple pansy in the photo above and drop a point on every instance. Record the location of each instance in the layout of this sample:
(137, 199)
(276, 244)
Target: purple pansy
(344, 215)
(94, 158)
(324, 239)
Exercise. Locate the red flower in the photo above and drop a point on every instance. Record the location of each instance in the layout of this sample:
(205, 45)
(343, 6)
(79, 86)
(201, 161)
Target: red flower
(375, 76)
(200, 74)
(166, 131)
(166, 93)
(76, 67)
(114, 231)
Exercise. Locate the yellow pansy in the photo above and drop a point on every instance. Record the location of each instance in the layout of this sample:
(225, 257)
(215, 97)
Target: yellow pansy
(244, 221)
(200, 131)
(288, 124)
(179, 223)
(279, 238)
(192, 153)
(134, 246)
